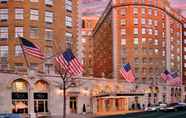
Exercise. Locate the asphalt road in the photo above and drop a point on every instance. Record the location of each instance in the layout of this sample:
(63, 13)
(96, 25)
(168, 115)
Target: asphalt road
(179, 114)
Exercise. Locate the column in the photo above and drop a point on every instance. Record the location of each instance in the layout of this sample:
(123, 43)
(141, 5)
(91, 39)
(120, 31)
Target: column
(31, 103)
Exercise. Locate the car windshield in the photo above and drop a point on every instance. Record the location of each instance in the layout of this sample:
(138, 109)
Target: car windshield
(172, 104)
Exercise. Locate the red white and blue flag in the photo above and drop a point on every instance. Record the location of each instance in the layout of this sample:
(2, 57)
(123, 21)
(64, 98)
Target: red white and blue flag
(166, 75)
(70, 63)
(31, 49)
(127, 73)
(175, 80)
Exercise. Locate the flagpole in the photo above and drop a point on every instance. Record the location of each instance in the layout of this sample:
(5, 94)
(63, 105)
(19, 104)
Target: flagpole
(25, 57)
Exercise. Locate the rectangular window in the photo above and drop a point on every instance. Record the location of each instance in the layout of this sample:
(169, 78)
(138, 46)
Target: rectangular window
(4, 51)
(123, 31)
(150, 22)
(143, 21)
(184, 65)
(19, 31)
(155, 42)
(135, 21)
(48, 68)
(49, 16)
(19, 14)
(155, 12)
(156, 32)
(123, 21)
(49, 2)
(184, 57)
(143, 31)
(49, 52)
(155, 23)
(68, 36)
(48, 34)
(34, 0)
(3, 14)
(135, 30)
(3, 1)
(68, 21)
(18, 50)
(135, 41)
(185, 33)
(150, 11)
(68, 5)
(184, 25)
(123, 12)
(150, 31)
(143, 40)
(135, 10)
(34, 32)
(123, 41)
(34, 14)
(143, 11)
(3, 32)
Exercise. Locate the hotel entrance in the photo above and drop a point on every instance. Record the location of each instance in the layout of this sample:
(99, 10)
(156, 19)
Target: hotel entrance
(112, 104)
(73, 104)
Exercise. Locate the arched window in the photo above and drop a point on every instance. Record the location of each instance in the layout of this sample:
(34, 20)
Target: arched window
(20, 96)
(41, 97)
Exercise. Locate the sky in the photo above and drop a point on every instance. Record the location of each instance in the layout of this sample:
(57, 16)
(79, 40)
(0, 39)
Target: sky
(95, 7)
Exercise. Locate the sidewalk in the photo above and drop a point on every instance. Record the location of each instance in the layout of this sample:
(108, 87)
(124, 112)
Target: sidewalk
(74, 116)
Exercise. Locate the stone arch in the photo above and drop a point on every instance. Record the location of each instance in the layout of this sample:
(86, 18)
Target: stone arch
(41, 85)
(10, 82)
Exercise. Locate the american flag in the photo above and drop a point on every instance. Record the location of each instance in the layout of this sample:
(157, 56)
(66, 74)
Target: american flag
(166, 75)
(175, 80)
(127, 73)
(31, 48)
(70, 63)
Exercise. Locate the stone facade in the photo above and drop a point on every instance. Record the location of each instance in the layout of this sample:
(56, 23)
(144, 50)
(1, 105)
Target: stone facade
(88, 91)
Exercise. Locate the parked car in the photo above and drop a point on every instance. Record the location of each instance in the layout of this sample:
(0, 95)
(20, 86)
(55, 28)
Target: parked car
(10, 115)
(175, 107)
(156, 107)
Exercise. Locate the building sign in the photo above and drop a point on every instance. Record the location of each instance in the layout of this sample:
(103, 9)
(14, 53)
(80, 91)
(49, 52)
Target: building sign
(16, 95)
(40, 95)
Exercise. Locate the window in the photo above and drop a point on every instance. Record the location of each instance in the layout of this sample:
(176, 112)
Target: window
(123, 41)
(135, 41)
(135, 21)
(156, 32)
(143, 11)
(3, 1)
(156, 51)
(49, 52)
(150, 11)
(48, 34)
(49, 2)
(155, 42)
(19, 14)
(3, 14)
(68, 21)
(150, 31)
(184, 49)
(68, 37)
(155, 12)
(155, 23)
(18, 50)
(123, 11)
(135, 10)
(49, 17)
(163, 53)
(34, 14)
(123, 22)
(185, 33)
(143, 21)
(150, 22)
(135, 30)
(48, 68)
(143, 40)
(123, 31)
(185, 65)
(3, 51)
(34, 0)
(18, 31)
(68, 5)
(34, 32)
(3, 32)
(184, 25)
(143, 31)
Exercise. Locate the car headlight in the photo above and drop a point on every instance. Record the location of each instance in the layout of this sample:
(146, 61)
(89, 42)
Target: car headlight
(170, 108)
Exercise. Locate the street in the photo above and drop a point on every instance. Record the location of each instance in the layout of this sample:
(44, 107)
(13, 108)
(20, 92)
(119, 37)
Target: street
(179, 114)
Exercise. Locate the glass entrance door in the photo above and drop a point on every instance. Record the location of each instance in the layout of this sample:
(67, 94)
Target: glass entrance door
(73, 104)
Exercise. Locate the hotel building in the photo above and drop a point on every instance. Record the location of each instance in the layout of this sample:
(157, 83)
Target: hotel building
(51, 24)
(148, 35)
